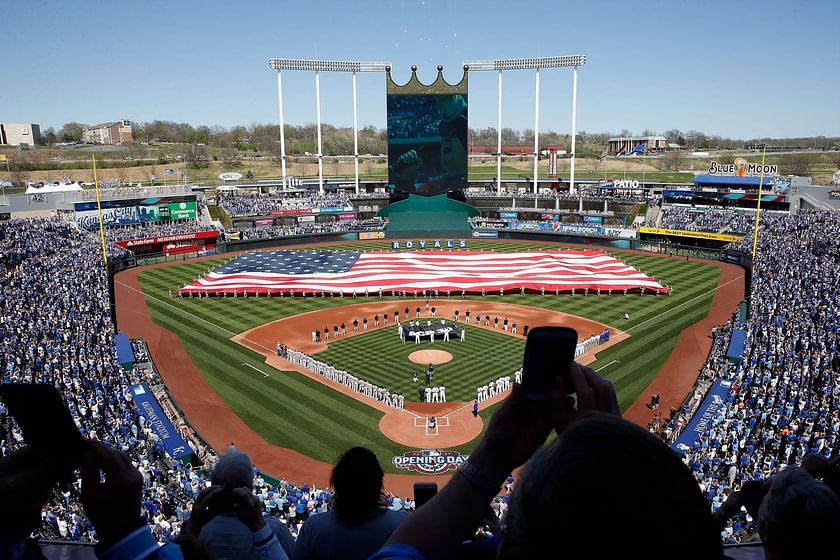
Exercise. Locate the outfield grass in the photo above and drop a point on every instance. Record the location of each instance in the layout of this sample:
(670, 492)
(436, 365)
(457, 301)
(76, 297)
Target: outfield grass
(293, 411)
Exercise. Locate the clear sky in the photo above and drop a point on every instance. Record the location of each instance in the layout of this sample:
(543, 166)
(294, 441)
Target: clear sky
(739, 68)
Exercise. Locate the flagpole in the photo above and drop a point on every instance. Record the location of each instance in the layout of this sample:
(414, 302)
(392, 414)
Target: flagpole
(758, 206)
(99, 209)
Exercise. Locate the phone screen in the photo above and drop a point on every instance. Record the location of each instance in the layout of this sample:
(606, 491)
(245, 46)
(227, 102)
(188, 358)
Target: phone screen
(45, 421)
(548, 353)
(423, 492)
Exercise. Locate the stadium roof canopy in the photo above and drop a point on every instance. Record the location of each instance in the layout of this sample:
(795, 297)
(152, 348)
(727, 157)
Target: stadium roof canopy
(731, 181)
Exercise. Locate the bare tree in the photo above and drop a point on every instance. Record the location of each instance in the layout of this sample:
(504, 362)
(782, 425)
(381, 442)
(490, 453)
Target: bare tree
(795, 164)
(197, 155)
(672, 160)
(231, 157)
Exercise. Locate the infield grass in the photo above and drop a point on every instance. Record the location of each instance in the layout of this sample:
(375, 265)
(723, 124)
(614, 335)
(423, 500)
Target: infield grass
(290, 410)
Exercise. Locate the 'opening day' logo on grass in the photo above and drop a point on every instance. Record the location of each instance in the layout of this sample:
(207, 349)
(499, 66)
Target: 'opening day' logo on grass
(428, 461)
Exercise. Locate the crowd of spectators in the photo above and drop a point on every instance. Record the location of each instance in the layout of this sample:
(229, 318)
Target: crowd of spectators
(310, 228)
(784, 400)
(412, 117)
(244, 205)
(155, 229)
(55, 328)
(525, 194)
(714, 221)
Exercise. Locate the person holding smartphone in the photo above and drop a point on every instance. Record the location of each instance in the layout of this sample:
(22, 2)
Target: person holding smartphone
(602, 475)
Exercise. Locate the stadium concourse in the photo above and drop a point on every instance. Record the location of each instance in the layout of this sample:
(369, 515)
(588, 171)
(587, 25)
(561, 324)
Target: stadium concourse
(782, 403)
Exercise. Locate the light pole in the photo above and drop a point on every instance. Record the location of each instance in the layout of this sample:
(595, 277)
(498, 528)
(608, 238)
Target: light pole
(566, 61)
(319, 66)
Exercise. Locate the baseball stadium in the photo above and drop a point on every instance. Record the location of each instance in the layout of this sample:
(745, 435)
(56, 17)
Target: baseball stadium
(291, 321)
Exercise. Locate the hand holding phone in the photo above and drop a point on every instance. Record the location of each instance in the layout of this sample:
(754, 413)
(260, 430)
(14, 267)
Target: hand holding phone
(45, 421)
(549, 352)
(423, 492)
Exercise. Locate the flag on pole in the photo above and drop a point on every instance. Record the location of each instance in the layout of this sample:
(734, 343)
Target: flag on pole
(622, 151)
(604, 154)
(471, 271)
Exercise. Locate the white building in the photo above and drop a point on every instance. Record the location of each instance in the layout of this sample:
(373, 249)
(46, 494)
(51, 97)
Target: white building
(17, 134)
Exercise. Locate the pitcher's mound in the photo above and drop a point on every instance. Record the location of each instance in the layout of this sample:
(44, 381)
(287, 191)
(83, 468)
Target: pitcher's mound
(430, 357)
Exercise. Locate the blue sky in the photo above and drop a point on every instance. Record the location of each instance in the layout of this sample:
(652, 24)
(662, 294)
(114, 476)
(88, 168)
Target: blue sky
(742, 68)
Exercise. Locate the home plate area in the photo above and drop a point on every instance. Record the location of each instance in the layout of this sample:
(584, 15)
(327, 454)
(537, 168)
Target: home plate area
(431, 424)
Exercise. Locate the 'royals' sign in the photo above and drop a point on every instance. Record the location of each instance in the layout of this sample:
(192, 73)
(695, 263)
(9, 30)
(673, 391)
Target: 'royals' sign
(429, 462)
(435, 244)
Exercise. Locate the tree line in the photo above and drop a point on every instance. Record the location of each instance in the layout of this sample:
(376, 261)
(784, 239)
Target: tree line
(337, 141)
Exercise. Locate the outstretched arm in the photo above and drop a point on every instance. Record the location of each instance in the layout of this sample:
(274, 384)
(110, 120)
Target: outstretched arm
(518, 428)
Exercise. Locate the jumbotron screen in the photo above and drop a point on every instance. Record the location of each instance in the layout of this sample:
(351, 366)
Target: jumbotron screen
(427, 143)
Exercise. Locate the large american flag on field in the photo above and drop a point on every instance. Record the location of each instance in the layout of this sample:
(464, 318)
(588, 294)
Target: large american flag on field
(471, 271)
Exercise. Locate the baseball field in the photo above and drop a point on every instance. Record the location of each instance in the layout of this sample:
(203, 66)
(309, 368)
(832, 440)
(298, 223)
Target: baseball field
(290, 410)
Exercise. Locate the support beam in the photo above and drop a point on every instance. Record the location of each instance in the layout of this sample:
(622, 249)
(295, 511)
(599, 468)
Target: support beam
(499, 142)
(318, 118)
(574, 130)
(282, 129)
(355, 136)
(536, 131)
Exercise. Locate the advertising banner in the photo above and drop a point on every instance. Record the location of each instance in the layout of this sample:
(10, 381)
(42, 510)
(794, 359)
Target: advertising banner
(714, 402)
(119, 216)
(302, 219)
(203, 235)
(694, 234)
(182, 210)
(347, 216)
(593, 219)
(264, 222)
(485, 234)
(623, 233)
(290, 212)
(371, 235)
(158, 422)
(135, 211)
(509, 215)
(546, 216)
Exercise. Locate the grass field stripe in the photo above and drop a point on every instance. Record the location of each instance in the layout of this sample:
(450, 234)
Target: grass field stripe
(683, 303)
(256, 368)
(188, 314)
(608, 365)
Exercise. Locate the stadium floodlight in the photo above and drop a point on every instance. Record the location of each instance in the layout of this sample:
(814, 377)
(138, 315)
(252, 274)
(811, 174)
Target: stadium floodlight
(572, 61)
(565, 61)
(319, 66)
(326, 65)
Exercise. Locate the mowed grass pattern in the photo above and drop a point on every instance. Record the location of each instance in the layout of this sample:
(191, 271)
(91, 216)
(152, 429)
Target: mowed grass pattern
(481, 358)
(293, 411)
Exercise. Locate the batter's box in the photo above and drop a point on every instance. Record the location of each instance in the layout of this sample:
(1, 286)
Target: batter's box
(423, 422)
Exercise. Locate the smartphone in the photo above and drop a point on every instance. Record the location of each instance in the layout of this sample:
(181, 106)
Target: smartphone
(548, 354)
(423, 492)
(45, 421)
